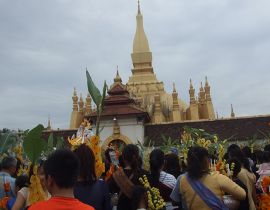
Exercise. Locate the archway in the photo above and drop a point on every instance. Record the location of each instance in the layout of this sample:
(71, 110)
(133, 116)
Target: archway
(116, 139)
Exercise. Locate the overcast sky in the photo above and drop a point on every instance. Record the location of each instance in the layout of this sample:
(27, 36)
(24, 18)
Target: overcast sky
(45, 47)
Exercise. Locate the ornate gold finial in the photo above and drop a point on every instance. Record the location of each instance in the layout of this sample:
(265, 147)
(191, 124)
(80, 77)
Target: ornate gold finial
(232, 112)
(190, 84)
(81, 103)
(117, 77)
(88, 107)
(75, 100)
(49, 127)
(206, 82)
(201, 88)
(174, 89)
(139, 7)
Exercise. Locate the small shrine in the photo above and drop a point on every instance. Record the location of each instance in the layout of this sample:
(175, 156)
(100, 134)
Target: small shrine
(122, 120)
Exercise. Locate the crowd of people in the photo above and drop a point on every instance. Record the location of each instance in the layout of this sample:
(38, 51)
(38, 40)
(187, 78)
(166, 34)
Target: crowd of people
(69, 181)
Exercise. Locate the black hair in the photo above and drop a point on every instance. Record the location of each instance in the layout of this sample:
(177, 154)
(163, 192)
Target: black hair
(172, 165)
(236, 168)
(267, 148)
(235, 152)
(258, 156)
(266, 157)
(63, 166)
(8, 162)
(22, 181)
(247, 151)
(107, 154)
(87, 163)
(130, 155)
(137, 195)
(196, 166)
(156, 163)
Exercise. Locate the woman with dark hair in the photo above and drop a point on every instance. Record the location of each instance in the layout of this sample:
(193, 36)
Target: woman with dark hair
(129, 176)
(172, 165)
(235, 166)
(202, 190)
(264, 169)
(245, 175)
(163, 181)
(88, 188)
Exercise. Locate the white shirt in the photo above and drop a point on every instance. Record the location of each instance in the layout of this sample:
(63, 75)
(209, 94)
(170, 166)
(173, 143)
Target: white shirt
(167, 179)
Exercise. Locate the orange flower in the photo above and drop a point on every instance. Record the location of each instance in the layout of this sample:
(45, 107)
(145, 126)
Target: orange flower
(109, 173)
(3, 202)
(265, 184)
(7, 187)
(264, 202)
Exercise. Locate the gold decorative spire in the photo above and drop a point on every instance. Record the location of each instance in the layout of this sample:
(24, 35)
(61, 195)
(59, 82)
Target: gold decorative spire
(75, 100)
(207, 90)
(232, 112)
(140, 43)
(201, 94)
(139, 8)
(49, 127)
(191, 93)
(81, 103)
(190, 84)
(174, 89)
(88, 107)
(117, 77)
(206, 82)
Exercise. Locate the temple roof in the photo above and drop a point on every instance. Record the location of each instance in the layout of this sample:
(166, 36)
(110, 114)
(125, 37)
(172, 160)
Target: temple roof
(118, 102)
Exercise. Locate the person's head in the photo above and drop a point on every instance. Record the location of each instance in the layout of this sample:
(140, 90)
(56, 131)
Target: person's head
(157, 160)
(9, 165)
(235, 167)
(258, 156)
(247, 151)
(197, 162)
(266, 157)
(87, 164)
(234, 151)
(267, 148)
(61, 171)
(130, 157)
(172, 165)
(21, 181)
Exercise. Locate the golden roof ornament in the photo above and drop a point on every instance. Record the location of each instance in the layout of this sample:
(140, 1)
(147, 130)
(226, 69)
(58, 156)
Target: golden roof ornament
(232, 112)
(117, 77)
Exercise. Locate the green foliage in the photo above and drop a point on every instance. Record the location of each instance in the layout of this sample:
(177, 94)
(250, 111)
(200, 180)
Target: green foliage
(93, 90)
(7, 141)
(168, 144)
(97, 98)
(34, 144)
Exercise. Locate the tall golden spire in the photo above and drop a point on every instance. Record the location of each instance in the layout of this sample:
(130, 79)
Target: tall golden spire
(49, 127)
(174, 89)
(88, 107)
(191, 93)
(207, 90)
(232, 112)
(201, 94)
(75, 100)
(140, 43)
(81, 103)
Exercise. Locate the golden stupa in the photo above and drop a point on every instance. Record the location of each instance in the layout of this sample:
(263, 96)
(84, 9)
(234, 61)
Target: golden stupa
(149, 92)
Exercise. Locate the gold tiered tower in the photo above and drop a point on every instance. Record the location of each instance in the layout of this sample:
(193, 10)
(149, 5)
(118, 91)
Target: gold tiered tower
(149, 92)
